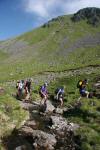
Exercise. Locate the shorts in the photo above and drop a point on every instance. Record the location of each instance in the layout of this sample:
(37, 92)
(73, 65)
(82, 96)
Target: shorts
(84, 92)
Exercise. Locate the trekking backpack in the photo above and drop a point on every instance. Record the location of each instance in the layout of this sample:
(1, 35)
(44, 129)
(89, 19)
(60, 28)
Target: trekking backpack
(79, 84)
(17, 85)
(40, 89)
(20, 86)
(57, 90)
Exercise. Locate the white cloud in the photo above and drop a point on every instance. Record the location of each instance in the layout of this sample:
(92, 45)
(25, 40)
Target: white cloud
(51, 8)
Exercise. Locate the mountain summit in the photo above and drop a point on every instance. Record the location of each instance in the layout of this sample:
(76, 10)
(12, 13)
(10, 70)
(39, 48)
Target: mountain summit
(91, 14)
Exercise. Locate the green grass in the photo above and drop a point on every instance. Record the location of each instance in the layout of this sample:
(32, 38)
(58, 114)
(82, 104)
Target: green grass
(11, 114)
(48, 50)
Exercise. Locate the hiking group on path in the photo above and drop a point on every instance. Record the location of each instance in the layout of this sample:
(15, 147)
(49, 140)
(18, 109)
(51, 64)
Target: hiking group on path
(24, 91)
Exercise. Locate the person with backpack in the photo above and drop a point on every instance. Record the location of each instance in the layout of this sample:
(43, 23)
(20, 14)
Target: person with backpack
(43, 92)
(82, 88)
(28, 86)
(60, 95)
(20, 86)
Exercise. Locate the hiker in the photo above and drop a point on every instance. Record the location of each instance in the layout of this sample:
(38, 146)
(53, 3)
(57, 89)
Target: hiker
(82, 88)
(43, 92)
(27, 88)
(60, 95)
(20, 86)
(17, 85)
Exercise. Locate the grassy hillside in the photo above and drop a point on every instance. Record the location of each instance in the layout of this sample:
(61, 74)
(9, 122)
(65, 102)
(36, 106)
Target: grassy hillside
(53, 50)
(58, 45)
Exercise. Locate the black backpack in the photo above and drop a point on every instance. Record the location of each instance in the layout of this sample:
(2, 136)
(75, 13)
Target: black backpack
(57, 90)
(40, 89)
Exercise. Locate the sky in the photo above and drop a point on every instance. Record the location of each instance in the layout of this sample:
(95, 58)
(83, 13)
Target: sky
(20, 16)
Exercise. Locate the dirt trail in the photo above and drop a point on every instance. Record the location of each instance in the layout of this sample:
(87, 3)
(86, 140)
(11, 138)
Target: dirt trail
(51, 76)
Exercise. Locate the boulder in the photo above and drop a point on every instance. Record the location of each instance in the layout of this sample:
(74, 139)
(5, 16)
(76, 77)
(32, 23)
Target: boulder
(26, 131)
(43, 140)
(60, 124)
(29, 106)
(59, 111)
(32, 124)
(47, 107)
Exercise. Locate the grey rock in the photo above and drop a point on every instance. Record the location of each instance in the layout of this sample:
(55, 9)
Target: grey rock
(43, 140)
(30, 107)
(49, 106)
(61, 124)
(32, 124)
(26, 131)
(59, 111)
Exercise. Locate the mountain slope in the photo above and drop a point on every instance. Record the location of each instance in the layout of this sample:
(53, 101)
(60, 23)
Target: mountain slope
(58, 45)
(62, 51)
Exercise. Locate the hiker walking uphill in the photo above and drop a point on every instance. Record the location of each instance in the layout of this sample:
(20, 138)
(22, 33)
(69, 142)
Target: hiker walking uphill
(20, 87)
(27, 88)
(82, 88)
(60, 95)
(43, 93)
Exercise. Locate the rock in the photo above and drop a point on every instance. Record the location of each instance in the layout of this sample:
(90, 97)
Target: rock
(58, 122)
(58, 111)
(32, 124)
(64, 132)
(90, 14)
(97, 85)
(30, 107)
(42, 108)
(43, 140)
(72, 127)
(25, 146)
(49, 106)
(26, 131)
(22, 147)
(61, 124)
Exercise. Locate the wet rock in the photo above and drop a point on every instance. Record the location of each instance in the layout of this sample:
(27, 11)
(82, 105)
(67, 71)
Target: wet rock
(43, 140)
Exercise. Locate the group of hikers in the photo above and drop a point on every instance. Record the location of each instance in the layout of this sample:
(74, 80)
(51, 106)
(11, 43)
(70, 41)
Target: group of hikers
(43, 92)
(23, 89)
(59, 94)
